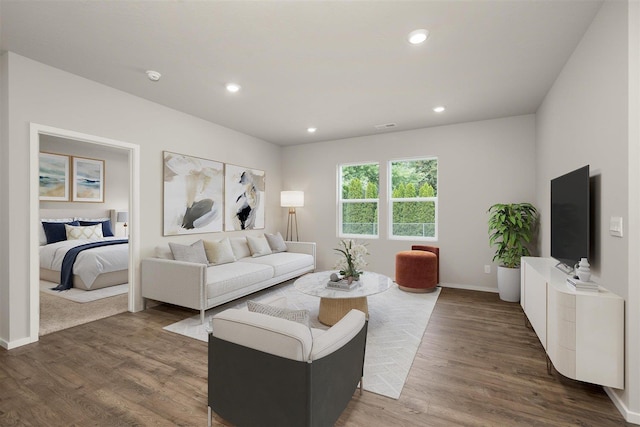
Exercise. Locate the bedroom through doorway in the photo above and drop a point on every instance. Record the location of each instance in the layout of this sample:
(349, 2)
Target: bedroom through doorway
(110, 221)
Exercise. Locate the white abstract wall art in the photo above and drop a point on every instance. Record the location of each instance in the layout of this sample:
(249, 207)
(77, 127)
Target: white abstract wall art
(88, 180)
(54, 177)
(244, 198)
(193, 198)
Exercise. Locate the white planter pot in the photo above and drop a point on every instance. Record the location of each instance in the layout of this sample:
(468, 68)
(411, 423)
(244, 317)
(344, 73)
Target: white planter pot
(509, 284)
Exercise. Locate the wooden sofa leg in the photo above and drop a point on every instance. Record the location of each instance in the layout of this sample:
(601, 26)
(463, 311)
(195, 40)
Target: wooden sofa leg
(360, 385)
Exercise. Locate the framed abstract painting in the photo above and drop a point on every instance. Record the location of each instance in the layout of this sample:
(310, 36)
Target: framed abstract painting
(54, 177)
(193, 195)
(244, 198)
(88, 180)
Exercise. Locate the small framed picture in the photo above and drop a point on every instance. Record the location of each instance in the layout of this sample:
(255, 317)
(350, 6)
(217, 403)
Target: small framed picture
(54, 177)
(88, 180)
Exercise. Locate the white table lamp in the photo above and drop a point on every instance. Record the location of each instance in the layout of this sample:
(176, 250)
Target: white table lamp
(123, 217)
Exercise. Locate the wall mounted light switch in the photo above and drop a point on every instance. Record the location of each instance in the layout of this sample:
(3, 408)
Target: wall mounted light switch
(615, 226)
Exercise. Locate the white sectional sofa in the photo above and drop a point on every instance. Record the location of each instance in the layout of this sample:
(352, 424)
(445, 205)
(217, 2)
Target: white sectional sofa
(202, 286)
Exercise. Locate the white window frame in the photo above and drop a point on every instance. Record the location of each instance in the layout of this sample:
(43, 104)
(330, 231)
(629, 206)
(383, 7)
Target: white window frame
(390, 200)
(341, 202)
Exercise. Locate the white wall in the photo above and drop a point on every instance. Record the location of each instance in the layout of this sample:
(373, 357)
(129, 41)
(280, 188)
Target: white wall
(480, 164)
(116, 171)
(584, 120)
(48, 96)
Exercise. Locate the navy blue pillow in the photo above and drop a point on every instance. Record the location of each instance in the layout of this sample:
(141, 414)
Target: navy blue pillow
(55, 231)
(106, 226)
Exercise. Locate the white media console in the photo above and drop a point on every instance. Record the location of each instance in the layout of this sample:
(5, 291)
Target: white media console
(581, 331)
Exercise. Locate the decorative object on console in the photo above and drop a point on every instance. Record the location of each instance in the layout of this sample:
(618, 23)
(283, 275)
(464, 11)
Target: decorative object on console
(88, 180)
(244, 197)
(511, 228)
(123, 217)
(193, 201)
(54, 177)
(292, 200)
(352, 263)
(583, 270)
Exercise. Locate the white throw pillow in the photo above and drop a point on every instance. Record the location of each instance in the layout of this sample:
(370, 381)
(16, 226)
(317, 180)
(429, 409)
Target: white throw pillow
(258, 246)
(192, 253)
(276, 242)
(91, 232)
(300, 316)
(240, 247)
(219, 252)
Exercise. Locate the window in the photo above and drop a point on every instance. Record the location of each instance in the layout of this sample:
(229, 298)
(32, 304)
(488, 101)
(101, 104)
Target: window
(414, 199)
(358, 201)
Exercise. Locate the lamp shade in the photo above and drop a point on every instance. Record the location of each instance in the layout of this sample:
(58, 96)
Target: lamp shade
(292, 199)
(122, 217)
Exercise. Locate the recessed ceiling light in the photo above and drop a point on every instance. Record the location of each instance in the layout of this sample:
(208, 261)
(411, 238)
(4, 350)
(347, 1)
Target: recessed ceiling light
(233, 87)
(439, 109)
(418, 36)
(154, 76)
(312, 130)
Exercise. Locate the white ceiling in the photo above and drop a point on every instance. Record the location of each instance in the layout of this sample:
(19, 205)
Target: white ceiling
(341, 66)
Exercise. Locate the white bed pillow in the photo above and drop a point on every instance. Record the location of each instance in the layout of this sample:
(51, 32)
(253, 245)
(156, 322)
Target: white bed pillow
(258, 246)
(276, 242)
(42, 236)
(91, 232)
(191, 253)
(219, 252)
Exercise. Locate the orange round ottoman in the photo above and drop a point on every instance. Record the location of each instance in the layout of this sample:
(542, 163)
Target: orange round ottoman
(417, 271)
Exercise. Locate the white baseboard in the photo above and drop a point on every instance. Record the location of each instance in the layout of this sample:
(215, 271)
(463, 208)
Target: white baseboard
(8, 345)
(469, 287)
(629, 416)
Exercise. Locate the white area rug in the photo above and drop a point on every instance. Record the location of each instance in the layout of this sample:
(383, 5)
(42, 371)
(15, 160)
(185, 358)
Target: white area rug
(82, 296)
(397, 321)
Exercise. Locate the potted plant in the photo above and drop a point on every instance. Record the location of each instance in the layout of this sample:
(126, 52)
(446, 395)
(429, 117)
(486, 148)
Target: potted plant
(511, 228)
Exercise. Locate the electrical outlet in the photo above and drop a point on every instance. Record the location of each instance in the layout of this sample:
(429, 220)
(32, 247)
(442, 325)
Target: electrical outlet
(487, 269)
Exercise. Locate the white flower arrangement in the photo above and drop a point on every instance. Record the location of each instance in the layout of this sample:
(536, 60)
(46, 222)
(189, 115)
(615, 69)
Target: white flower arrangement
(353, 262)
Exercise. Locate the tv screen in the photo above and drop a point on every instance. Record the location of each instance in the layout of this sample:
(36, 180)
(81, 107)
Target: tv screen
(570, 217)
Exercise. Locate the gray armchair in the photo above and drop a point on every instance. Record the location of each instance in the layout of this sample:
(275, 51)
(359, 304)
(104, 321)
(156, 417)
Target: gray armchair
(268, 371)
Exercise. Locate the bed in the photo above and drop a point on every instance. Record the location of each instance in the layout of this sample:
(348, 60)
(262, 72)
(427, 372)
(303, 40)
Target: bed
(95, 267)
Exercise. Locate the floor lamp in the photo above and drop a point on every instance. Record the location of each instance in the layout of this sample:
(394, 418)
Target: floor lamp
(292, 200)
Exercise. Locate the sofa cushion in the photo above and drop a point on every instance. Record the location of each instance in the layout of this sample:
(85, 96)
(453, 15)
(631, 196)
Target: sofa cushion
(225, 278)
(300, 316)
(191, 253)
(240, 247)
(258, 246)
(219, 252)
(276, 242)
(163, 252)
(283, 262)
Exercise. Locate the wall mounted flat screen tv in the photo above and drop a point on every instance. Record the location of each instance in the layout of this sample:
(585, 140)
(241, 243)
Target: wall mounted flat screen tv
(570, 218)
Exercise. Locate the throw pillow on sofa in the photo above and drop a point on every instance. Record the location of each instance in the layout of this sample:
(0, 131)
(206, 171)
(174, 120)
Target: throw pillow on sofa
(191, 253)
(258, 246)
(300, 316)
(219, 252)
(276, 242)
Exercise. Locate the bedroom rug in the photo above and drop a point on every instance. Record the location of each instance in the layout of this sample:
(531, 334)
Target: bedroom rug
(397, 321)
(82, 296)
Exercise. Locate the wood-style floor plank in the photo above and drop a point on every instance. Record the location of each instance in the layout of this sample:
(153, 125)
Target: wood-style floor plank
(478, 365)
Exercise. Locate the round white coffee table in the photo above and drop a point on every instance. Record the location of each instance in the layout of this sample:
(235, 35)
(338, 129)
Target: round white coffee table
(336, 303)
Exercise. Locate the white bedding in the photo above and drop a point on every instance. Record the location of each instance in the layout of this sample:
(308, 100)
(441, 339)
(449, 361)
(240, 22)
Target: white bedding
(91, 262)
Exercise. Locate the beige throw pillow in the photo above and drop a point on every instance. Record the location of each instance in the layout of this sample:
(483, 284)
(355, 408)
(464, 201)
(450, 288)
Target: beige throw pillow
(219, 252)
(258, 246)
(300, 316)
(192, 253)
(91, 232)
(276, 242)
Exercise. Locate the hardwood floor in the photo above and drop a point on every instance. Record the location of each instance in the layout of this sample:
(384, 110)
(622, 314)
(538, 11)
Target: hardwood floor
(478, 365)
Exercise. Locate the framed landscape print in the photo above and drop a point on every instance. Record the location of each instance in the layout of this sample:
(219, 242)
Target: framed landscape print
(244, 198)
(54, 177)
(193, 198)
(88, 180)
